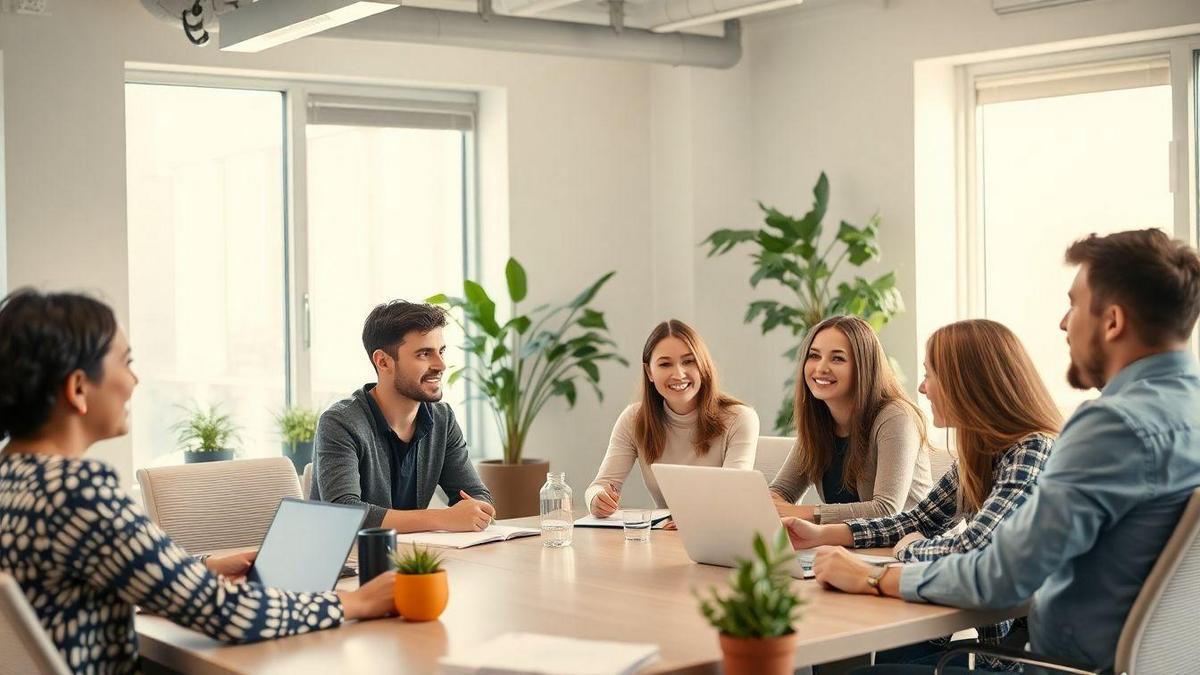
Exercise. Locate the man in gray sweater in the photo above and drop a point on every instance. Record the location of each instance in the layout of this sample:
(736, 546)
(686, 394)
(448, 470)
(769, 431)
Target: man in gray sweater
(392, 443)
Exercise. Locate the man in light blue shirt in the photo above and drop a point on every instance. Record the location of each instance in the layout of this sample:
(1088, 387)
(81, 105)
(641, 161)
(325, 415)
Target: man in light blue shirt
(1118, 477)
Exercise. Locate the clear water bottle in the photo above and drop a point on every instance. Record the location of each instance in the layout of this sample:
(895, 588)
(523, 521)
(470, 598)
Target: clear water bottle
(557, 522)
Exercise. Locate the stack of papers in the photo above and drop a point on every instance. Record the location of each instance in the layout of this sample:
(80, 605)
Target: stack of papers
(534, 654)
(657, 517)
(493, 532)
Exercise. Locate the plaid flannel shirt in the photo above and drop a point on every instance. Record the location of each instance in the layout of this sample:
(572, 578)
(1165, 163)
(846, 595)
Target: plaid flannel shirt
(935, 517)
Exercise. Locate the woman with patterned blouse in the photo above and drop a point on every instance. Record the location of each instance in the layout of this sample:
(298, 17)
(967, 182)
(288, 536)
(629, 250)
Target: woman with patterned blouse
(980, 382)
(82, 551)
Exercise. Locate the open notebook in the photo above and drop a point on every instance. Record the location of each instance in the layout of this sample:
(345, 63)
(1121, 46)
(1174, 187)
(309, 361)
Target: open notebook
(657, 518)
(493, 532)
(534, 654)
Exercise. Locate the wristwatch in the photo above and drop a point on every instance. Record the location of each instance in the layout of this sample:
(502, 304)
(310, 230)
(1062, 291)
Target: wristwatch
(874, 576)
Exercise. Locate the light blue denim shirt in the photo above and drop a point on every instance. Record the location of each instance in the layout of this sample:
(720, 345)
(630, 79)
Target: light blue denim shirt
(1104, 506)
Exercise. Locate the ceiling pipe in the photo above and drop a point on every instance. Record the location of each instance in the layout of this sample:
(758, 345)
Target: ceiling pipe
(673, 15)
(506, 33)
(531, 7)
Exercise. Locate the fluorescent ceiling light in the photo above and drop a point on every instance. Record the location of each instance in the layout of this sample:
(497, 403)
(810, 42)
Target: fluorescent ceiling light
(269, 23)
(725, 14)
(539, 6)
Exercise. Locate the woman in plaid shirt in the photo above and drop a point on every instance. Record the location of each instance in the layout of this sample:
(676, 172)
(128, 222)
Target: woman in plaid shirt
(981, 383)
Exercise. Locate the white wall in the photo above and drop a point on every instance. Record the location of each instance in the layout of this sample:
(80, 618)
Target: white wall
(832, 89)
(578, 192)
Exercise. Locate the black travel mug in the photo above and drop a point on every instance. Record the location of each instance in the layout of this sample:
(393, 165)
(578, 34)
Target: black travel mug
(375, 548)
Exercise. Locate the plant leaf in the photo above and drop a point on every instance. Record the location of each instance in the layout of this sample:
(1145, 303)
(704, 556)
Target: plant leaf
(517, 283)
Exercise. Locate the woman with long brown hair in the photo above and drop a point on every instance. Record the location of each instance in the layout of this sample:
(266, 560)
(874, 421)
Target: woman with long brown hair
(982, 384)
(860, 440)
(683, 418)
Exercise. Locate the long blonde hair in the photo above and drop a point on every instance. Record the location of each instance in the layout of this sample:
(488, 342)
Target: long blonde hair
(650, 423)
(875, 387)
(992, 396)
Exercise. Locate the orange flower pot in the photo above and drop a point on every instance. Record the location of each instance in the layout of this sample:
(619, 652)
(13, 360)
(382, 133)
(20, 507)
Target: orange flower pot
(421, 597)
(753, 656)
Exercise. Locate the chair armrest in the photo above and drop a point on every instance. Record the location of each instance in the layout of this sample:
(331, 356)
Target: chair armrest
(1009, 654)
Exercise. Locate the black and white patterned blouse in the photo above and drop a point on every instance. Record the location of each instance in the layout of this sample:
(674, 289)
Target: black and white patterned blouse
(1015, 473)
(84, 553)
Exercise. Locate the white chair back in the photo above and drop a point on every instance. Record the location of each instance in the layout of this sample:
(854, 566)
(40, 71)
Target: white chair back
(26, 647)
(770, 455)
(218, 505)
(1159, 635)
(306, 481)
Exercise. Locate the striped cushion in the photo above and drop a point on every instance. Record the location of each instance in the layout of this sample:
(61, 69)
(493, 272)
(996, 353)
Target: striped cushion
(218, 505)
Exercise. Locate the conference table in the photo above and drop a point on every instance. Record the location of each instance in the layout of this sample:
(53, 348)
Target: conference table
(601, 588)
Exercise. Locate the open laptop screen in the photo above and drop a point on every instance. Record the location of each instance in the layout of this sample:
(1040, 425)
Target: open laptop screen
(306, 545)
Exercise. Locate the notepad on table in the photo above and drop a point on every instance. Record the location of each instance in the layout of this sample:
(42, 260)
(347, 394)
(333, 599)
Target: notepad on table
(806, 558)
(657, 517)
(443, 539)
(535, 654)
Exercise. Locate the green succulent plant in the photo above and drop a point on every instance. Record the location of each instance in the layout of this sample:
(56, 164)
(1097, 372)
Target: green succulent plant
(416, 561)
(761, 602)
(206, 430)
(297, 425)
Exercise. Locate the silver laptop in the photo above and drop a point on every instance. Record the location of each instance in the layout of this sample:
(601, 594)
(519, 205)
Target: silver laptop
(718, 511)
(306, 545)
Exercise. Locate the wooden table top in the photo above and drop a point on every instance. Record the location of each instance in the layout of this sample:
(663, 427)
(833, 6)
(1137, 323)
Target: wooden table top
(601, 587)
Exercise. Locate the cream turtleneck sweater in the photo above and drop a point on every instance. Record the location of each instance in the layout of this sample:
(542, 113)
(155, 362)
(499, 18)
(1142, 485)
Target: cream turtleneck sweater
(734, 449)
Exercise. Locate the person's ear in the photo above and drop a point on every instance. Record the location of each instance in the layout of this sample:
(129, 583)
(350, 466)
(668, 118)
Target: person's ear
(381, 359)
(75, 391)
(1114, 321)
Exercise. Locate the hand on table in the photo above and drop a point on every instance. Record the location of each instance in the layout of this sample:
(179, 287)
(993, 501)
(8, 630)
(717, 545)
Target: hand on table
(606, 502)
(233, 567)
(838, 568)
(371, 600)
(802, 533)
(906, 541)
(669, 524)
(468, 515)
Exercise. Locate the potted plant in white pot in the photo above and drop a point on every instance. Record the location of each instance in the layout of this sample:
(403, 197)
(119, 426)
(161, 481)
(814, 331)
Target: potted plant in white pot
(518, 366)
(298, 427)
(755, 617)
(206, 435)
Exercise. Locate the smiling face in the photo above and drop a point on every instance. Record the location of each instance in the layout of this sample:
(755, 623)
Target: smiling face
(829, 366)
(675, 373)
(104, 404)
(933, 391)
(416, 372)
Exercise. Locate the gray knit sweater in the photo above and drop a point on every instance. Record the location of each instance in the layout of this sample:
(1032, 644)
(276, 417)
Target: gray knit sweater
(351, 465)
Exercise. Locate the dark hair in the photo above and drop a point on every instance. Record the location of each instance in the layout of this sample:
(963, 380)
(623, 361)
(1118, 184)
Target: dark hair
(1154, 278)
(388, 323)
(43, 339)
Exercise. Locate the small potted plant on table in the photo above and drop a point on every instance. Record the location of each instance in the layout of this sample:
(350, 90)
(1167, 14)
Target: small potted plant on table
(298, 427)
(755, 618)
(206, 435)
(421, 590)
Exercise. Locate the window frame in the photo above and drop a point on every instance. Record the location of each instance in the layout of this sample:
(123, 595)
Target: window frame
(296, 90)
(1184, 56)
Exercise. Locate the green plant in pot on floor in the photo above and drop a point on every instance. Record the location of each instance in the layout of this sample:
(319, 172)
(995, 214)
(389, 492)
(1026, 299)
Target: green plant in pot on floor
(756, 614)
(298, 427)
(206, 435)
(518, 366)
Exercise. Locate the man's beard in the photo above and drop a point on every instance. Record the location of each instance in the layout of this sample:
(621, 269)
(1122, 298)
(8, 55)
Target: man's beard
(1092, 368)
(413, 391)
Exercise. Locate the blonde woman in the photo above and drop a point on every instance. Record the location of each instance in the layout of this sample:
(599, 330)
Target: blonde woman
(980, 382)
(860, 440)
(683, 418)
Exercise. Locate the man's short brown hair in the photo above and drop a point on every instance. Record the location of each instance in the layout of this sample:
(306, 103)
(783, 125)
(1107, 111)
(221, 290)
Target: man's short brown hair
(1154, 278)
(388, 323)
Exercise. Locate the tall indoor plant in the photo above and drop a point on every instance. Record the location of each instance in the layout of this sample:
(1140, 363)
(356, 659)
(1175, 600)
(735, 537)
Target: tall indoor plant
(789, 252)
(519, 365)
(754, 618)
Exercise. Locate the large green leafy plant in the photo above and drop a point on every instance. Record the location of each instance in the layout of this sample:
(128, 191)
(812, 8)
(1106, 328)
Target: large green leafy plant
(760, 602)
(518, 366)
(789, 252)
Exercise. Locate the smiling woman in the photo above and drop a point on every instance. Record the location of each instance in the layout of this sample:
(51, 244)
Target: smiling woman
(683, 418)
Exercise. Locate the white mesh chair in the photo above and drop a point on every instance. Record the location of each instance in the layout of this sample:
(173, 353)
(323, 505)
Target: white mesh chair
(769, 457)
(306, 481)
(26, 648)
(1159, 635)
(218, 505)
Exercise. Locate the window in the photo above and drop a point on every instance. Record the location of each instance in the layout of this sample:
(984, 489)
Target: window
(252, 269)
(1055, 153)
